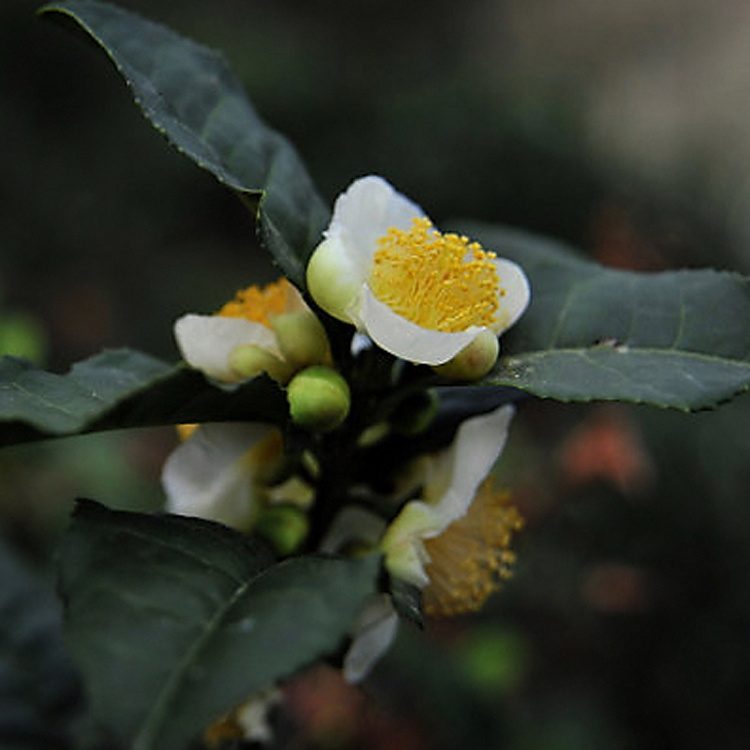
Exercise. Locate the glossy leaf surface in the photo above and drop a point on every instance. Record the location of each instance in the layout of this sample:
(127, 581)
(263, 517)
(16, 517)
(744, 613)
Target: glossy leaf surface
(175, 620)
(122, 388)
(673, 339)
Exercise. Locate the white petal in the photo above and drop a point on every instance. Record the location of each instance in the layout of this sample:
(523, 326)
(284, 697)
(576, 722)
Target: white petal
(253, 715)
(478, 444)
(407, 340)
(207, 477)
(352, 524)
(517, 294)
(365, 213)
(206, 341)
(360, 342)
(376, 632)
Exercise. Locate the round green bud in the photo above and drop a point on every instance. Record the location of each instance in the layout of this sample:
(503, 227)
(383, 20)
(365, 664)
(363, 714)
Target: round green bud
(301, 339)
(284, 526)
(474, 361)
(319, 399)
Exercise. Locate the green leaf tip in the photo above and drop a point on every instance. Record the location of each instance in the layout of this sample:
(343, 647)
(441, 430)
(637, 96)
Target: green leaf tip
(190, 94)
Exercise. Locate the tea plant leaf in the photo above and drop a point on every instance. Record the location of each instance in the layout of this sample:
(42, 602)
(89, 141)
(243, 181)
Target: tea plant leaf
(175, 620)
(191, 95)
(122, 388)
(677, 339)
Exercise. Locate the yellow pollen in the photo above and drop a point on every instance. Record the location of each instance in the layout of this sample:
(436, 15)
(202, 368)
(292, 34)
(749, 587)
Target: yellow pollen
(472, 556)
(184, 431)
(260, 305)
(442, 282)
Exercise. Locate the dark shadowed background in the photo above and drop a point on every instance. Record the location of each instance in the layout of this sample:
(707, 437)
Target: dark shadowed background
(617, 127)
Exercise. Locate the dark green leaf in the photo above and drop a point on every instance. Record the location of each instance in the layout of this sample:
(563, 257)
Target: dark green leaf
(676, 339)
(39, 689)
(175, 620)
(122, 388)
(191, 95)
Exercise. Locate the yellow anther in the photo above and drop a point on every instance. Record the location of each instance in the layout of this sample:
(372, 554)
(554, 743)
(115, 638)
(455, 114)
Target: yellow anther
(438, 281)
(184, 431)
(260, 304)
(472, 556)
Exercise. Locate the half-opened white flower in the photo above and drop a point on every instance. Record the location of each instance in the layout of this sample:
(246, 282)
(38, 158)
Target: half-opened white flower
(222, 472)
(261, 330)
(453, 541)
(419, 294)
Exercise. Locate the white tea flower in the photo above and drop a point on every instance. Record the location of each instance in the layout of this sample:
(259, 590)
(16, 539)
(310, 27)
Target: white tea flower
(453, 541)
(261, 330)
(419, 294)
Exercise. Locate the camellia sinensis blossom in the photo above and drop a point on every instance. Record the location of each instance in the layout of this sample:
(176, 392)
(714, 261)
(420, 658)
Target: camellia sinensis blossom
(453, 541)
(230, 473)
(266, 329)
(220, 471)
(423, 296)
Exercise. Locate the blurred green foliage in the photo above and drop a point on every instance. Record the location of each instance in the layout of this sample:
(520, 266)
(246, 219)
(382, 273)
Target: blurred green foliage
(627, 624)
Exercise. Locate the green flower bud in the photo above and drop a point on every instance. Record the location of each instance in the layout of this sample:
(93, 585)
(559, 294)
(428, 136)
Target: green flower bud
(250, 360)
(319, 399)
(474, 361)
(301, 339)
(284, 526)
(292, 491)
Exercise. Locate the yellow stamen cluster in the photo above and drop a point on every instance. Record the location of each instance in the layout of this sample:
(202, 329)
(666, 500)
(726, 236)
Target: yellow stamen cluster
(442, 282)
(472, 556)
(258, 304)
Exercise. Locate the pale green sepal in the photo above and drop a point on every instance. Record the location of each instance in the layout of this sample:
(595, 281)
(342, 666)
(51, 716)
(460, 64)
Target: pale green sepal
(474, 361)
(332, 279)
(302, 339)
(405, 555)
(250, 360)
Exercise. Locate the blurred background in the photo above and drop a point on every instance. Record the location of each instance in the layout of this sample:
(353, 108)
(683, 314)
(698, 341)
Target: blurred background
(619, 128)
